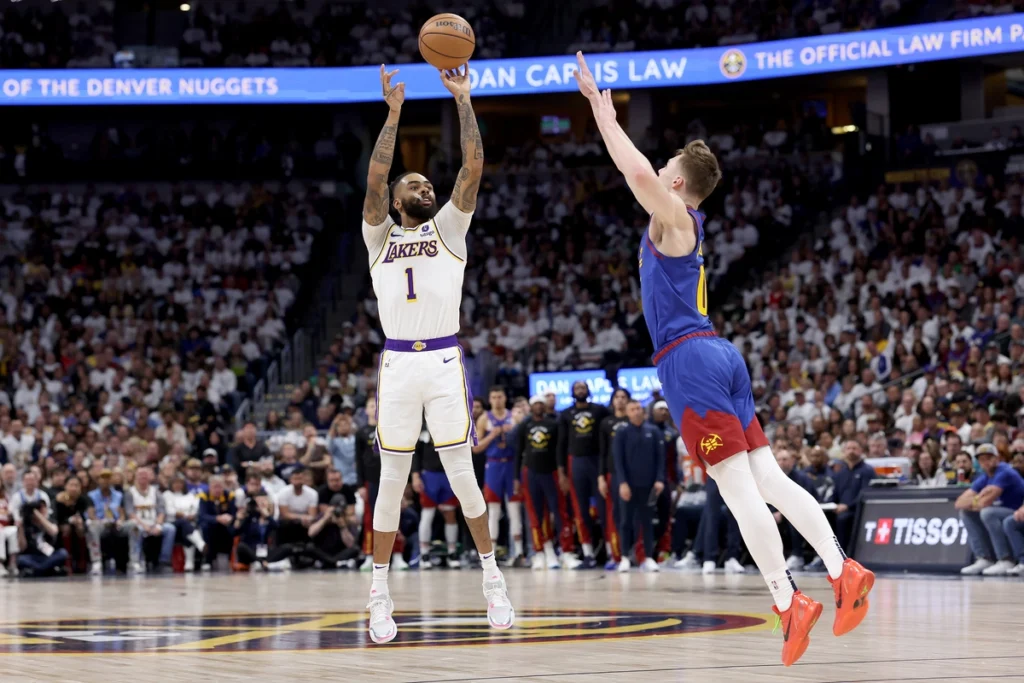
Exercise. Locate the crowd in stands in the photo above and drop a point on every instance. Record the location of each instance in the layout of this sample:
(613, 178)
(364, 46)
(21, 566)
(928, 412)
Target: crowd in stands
(136, 320)
(52, 36)
(342, 34)
(273, 146)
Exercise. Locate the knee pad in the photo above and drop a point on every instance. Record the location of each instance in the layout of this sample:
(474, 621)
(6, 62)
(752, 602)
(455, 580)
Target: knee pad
(394, 474)
(458, 465)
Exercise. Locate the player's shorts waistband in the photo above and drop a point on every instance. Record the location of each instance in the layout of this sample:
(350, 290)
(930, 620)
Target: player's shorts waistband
(663, 351)
(501, 460)
(421, 344)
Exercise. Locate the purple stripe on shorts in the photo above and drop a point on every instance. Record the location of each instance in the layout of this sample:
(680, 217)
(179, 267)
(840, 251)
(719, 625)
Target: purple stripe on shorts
(469, 397)
(421, 344)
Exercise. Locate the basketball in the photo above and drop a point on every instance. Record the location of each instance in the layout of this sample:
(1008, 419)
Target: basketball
(447, 41)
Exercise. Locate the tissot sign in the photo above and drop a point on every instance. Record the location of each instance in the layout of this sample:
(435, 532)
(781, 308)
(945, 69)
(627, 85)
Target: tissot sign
(911, 530)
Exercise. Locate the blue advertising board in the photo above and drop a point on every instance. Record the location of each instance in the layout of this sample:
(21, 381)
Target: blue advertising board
(560, 384)
(698, 66)
(641, 383)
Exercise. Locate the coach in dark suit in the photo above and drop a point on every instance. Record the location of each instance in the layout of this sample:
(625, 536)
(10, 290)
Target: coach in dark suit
(639, 454)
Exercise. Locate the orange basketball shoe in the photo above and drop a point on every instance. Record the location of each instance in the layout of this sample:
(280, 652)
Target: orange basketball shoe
(797, 622)
(851, 589)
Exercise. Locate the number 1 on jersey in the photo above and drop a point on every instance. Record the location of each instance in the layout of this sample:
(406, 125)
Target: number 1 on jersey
(411, 296)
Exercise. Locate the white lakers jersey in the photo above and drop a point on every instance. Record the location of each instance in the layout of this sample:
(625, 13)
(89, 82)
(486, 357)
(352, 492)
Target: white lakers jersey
(417, 274)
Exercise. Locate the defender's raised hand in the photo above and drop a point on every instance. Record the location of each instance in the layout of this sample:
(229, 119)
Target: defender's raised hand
(394, 95)
(585, 79)
(456, 80)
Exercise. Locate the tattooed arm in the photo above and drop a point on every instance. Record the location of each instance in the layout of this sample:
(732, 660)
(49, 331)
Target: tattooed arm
(378, 198)
(468, 183)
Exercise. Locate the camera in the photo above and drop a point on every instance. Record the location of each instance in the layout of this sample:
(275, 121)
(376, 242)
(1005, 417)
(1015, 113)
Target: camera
(339, 510)
(28, 511)
(252, 508)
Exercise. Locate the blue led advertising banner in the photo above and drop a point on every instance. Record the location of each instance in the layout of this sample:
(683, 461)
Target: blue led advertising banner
(560, 384)
(699, 66)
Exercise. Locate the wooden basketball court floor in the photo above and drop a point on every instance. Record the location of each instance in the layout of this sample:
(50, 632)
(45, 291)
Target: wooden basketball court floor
(579, 627)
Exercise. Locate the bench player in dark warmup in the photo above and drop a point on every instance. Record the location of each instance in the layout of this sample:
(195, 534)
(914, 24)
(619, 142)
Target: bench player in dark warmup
(707, 385)
(368, 471)
(537, 460)
(431, 483)
(662, 419)
(606, 473)
(578, 462)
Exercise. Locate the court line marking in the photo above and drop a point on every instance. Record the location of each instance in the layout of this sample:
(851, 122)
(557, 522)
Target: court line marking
(740, 666)
(983, 677)
(84, 623)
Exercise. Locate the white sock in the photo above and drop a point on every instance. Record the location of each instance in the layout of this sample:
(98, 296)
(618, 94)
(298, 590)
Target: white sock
(493, 518)
(515, 527)
(489, 565)
(380, 579)
(782, 586)
(588, 550)
(451, 535)
(549, 548)
(426, 529)
(831, 553)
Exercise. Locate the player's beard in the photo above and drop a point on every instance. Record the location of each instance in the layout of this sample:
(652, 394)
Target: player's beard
(413, 209)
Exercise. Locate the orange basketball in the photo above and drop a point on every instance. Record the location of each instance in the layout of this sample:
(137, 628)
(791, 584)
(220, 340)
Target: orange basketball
(447, 41)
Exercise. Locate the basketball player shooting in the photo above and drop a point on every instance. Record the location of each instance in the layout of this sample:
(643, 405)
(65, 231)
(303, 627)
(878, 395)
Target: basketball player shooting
(706, 383)
(417, 268)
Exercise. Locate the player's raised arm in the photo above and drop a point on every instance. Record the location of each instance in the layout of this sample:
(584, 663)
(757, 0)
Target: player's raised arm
(468, 183)
(375, 205)
(640, 175)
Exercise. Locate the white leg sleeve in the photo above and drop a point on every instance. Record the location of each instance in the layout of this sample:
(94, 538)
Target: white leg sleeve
(451, 536)
(458, 465)
(493, 517)
(798, 506)
(739, 491)
(515, 527)
(394, 475)
(426, 527)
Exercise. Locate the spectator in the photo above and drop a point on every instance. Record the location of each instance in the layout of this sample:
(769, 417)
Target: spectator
(316, 456)
(181, 507)
(72, 513)
(248, 450)
(852, 476)
(8, 536)
(217, 511)
(298, 506)
(106, 523)
(38, 536)
(144, 510)
(639, 456)
(927, 473)
(993, 497)
(255, 524)
(342, 444)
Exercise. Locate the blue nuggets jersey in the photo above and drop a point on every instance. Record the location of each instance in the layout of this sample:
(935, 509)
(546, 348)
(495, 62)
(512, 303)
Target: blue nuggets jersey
(502, 448)
(674, 290)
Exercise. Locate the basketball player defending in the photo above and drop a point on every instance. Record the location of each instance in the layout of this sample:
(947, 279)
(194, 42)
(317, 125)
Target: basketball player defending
(417, 268)
(706, 383)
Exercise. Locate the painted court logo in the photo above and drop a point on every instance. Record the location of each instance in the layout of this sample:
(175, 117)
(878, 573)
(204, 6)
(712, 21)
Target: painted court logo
(346, 631)
(710, 444)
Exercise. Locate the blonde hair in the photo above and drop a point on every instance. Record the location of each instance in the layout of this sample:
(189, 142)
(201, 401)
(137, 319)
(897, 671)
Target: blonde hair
(699, 167)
